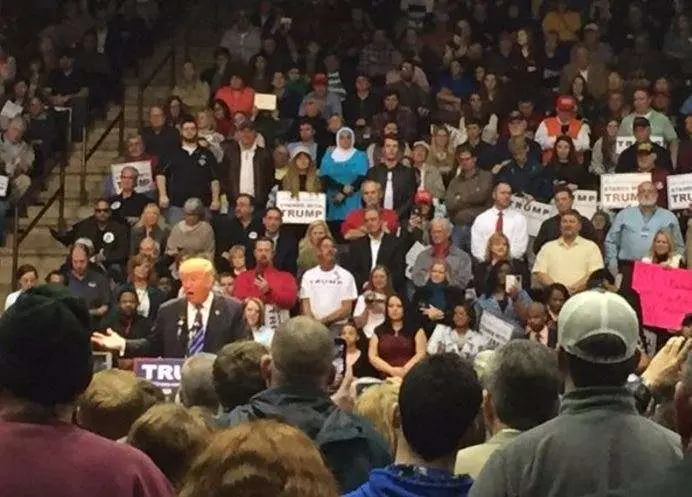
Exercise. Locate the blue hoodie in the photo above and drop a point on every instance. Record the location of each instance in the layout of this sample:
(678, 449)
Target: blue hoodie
(406, 481)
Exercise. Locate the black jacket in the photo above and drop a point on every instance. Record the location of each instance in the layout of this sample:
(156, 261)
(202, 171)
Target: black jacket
(114, 240)
(403, 182)
(627, 162)
(285, 253)
(349, 444)
(390, 255)
(550, 230)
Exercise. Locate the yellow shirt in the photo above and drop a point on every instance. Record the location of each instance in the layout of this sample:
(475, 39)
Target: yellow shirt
(568, 264)
(567, 25)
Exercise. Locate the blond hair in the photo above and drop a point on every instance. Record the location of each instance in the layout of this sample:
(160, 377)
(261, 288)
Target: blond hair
(377, 405)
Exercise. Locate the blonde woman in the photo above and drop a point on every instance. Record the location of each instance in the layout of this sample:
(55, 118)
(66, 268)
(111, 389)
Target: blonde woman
(301, 174)
(194, 92)
(236, 256)
(150, 225)
(253, 320)
(307, 248)
(206, 130)
(441, 154)
(377, 405)
(663, 251)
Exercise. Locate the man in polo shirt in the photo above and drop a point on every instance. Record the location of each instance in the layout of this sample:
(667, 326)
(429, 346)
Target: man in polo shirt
(90, 285)
(570, 259)
(353, 226)
(189, 172)
(627, 162)
(660, 123)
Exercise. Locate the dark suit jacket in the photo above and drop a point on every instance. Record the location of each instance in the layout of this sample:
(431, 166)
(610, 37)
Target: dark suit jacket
(169, 336)
(404, 183)
(230, 172)
(390, 255)
(286, 253)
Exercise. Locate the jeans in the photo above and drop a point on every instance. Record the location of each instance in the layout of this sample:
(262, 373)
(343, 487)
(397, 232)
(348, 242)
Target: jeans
(4, 207)
(461, 237)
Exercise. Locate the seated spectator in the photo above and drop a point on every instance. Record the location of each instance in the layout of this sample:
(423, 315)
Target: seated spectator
(377, 404)
(342, 172)
(328, 291)
(243, 229)
(206, 129)
(134, 152)
(353, 227)
(584, 63)
(500, 217)
(172, 436)
(26, 278)
(68, 87)
(150, 225)
(265, 456)
(237, 95)
(142, 280)
(564, 167)
(125, 319)
(441, 248)
(237, 374)
(563, 20)
(190, 171)
(306, 135)
(555, 297)
(329, 102)
(265, 282)
(242, 40)
(528, 178)
(398, 343)
(18, 158)
(468, 194)
(360, 106)
(191, 89)
(222, 118)
(301, 174)
(215, 77)
(601, 225)
(128, 205)
(50, 327)
(288, 100)
(176, 112)
(397, 181)
(518, 370)
(418, 226)
(563, 199)
(537, 329)
(663, 250)
(442, 154)
(253, 319)
(436, 297)
(428, 178)
(596, 366)
(496, 251)
(456, 335)
(112, 403)
(517, 127)
(583, 255)
(404, 117)
(377, 249)
(192, 235)
(308, 247)
(108, 237)
(42, 128)
(298, 371)
(646, 163)
(55, 277)
(510, 304)
(160, 139)
(564, 123)
(375, 150)
(236, 255)
(98, 70)
(438, 402)
(369, 311)
(604, 157)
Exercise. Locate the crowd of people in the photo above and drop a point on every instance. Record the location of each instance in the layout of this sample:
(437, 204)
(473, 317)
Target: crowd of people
(428, 131)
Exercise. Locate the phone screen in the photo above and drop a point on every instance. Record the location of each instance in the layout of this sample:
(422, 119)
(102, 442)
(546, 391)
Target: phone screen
(339, 362)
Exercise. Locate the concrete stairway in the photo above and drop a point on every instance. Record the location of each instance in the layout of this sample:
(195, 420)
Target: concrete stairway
(39, 248)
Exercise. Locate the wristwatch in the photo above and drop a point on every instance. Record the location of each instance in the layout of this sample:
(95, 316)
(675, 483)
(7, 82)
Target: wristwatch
(642, 393)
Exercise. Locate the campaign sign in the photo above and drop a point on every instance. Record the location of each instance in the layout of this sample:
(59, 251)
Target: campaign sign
(665, 294)
(586, 202)
(620, 190)
(624, 142)
(679, 191)
(145, 177)
(304, 209)
(164, 373)
(534, 212)
(495, 330)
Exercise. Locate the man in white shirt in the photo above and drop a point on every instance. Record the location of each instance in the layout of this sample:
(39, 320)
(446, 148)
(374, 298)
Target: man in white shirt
(570, 259)
(503, 219)
(327, 291)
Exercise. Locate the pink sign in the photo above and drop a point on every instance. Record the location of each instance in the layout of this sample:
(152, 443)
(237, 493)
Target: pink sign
(665, 294)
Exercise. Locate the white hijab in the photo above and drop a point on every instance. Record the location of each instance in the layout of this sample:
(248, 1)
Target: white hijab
(343, 154)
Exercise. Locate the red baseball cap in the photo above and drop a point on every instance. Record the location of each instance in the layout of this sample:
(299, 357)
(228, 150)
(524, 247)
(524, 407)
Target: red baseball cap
(320, 79)
(423, 197)
(566, 103)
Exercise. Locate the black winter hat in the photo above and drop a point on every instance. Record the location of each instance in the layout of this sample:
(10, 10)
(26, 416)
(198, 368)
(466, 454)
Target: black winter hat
(45, 347)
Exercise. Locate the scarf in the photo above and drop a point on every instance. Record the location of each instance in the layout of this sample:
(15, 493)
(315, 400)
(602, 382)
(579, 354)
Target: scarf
(343, 154)
(440, 250)
(437, 295)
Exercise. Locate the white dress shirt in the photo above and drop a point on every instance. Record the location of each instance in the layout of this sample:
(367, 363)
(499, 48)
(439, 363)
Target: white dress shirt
(144, 302)
(375, 244)
(513, 226)
(247, 170)
(206, 310)
(389, 191)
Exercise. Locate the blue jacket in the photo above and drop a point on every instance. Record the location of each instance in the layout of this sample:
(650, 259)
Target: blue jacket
(533, 179)
(406, 481)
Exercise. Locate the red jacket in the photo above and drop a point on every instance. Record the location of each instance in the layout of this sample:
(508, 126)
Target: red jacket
(356, 219)
(237, 100)
(283, 289)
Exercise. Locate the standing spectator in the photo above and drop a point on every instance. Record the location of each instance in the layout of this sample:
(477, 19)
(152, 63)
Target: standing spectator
(285, 244)
(597, 337)
(124, 320)
(570, 259)
(240, 230)
(307, 128)
(369, 310)
(438, 403)
(26, 278)
(190, 171)
(646, 163)
(141, 279)
(243, 40)
(517, 370)
(442, 153)
(160, 138)
(550, 228)
(353, 227)
(328, 291)
(526, 176)
(67, 87)
(360, 106)
(500, 217)
(398, 343)
(428, 178)
(343, 171)
(192, 90)
(397, 181)
(50, 327)
(299, 370)
(88, 284)
(633, 231)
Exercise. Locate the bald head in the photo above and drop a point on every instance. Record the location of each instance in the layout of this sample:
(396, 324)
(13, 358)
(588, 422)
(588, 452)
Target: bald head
(197, 276)
(301, 353)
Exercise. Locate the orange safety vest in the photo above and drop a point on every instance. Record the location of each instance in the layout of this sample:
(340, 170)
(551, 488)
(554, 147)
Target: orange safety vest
(554, 128)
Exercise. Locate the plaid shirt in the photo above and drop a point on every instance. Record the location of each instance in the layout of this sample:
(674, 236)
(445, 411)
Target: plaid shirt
(376, 61)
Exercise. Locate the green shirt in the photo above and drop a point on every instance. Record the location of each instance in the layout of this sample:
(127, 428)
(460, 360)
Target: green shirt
(660, 125)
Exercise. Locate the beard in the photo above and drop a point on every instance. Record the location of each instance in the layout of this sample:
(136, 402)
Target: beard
(647, 202)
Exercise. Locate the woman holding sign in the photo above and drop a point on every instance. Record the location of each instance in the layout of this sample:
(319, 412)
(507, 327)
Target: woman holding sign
(343, 170)
(503, 296)
(663, 251)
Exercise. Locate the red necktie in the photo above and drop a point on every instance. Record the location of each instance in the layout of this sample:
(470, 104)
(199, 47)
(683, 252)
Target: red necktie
(498, 225)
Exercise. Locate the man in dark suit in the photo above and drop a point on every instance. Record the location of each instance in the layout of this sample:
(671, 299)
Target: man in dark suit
(198, 322)
(380, 246)
(247, 167)
(285, 244)
(398, 181)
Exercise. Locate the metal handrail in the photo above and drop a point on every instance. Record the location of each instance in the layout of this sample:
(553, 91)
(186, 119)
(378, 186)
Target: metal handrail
(146, 82)
(19, 235)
